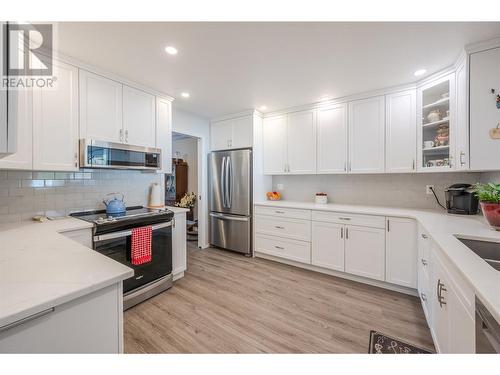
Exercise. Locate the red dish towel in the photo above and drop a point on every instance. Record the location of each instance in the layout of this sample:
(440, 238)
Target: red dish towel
(141, 245)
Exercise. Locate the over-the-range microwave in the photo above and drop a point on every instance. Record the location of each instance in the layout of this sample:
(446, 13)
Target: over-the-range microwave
(101, 154)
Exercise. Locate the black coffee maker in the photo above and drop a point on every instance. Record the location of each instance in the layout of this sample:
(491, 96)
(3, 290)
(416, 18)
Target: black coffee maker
(461, 199)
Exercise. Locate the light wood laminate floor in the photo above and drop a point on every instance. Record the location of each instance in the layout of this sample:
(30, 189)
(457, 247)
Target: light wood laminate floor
(227, 303)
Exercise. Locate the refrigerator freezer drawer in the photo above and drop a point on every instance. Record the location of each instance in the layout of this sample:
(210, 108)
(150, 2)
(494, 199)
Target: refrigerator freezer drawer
(231, 232)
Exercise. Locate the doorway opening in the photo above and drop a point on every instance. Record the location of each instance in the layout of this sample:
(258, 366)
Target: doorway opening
(183, 187)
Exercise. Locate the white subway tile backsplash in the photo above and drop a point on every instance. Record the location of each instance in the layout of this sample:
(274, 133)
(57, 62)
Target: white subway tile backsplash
(24, 194)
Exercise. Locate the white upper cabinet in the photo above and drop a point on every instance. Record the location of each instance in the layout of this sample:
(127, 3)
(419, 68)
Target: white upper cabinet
(100, 108)
(401, 132)
(367, 135)
(232, 133)
(274, 144)
(21, 112)
(401, 252)
(139, 126)
(436, 124)
(332, 139)
(301, 142)
(462, 118)
(164, 133)
(484, 115)
(55, 122)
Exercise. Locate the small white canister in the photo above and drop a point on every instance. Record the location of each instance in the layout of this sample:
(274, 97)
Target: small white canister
(321, 198)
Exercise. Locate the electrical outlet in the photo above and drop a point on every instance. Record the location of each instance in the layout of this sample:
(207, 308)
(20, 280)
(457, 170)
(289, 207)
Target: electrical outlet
(280, 187)
(428, 189)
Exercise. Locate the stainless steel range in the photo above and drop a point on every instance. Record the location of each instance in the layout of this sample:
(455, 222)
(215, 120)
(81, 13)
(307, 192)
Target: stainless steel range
(112, 237)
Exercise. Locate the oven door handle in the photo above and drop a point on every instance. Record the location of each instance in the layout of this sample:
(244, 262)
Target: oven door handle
(125, 233)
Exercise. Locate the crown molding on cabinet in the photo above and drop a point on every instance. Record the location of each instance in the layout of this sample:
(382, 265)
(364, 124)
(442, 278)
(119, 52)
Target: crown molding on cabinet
(482, 46)
(249, 112)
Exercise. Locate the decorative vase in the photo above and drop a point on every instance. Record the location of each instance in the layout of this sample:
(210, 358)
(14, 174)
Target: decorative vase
(491, 212)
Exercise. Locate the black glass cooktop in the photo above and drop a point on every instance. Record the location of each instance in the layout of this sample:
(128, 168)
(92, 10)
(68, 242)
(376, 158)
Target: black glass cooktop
(133, 217)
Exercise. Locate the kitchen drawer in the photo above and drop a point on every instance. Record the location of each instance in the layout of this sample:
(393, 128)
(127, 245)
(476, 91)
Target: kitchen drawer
(351, 219)
(298, 251)
(292, 213)
(284, 227)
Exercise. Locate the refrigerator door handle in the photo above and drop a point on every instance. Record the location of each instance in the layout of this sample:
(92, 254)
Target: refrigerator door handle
(229, 191)
(222, 182)
(227, 217)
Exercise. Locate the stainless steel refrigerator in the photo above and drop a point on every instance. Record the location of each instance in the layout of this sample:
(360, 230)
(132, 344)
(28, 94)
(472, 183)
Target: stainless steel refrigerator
(230, 180)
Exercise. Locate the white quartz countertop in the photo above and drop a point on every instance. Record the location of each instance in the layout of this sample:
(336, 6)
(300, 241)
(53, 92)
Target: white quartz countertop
(443, 228)
(40, 268)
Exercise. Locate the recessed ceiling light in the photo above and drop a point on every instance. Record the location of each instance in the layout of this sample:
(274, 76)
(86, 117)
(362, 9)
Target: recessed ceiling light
(185, 95)
(420, 72)
(171, 50)
(263, 107)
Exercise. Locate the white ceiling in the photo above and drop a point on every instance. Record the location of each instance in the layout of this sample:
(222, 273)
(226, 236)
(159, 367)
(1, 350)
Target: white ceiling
(230, 67)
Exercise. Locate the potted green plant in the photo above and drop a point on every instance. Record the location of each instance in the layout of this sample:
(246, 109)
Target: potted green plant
(489, 199)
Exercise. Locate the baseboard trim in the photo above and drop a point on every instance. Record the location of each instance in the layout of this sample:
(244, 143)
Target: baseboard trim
(360, 279)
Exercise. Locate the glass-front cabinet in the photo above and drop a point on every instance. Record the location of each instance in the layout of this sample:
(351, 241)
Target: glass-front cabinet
(436, 121)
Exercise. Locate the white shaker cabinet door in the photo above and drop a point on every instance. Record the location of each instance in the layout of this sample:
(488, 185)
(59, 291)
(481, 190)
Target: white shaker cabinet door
(242, 132)
(365, 252)
(367, 135)
(301, 142)
(462, 118)
(220, 135)
(328, 245)
(21, 112)
(139, 117)
(164, 133)
(401, 252)
(274, 145)
(484, 115)
(100, 108)
(55, 122)
(401, 132)
(332, 139)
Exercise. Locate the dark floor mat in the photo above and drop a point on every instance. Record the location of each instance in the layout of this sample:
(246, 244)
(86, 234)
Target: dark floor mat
(382, 344)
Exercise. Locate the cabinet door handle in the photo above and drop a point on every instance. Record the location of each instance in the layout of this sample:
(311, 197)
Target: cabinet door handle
(278, 227)
(462, 156)
(413, 165)
(27, 319)
(346, 233)
(126, 136)
(279, 247)
(76, 159)
(341, 232)
(440, 298)
(388, 225)
(121, 135)
(345, 166)
(424, 262)
(423, 296)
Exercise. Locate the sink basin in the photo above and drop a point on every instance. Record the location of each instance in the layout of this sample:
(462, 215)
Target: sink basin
(489, 251)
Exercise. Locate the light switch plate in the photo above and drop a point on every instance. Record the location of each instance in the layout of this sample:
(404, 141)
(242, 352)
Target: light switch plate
(280, 187)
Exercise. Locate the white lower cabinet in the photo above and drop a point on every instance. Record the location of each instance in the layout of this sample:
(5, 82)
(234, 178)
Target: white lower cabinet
(328, 245)
(89, 324)
(453, 325)
(298, 251)
(179, 254)
(401, 252)
(365, 252)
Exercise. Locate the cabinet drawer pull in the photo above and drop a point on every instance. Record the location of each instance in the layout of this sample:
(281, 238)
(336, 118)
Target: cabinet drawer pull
(424, 262)
(279, 212)
(345, 218)
(424, 236)
(278, 227)
(279, 247)
(27, 319)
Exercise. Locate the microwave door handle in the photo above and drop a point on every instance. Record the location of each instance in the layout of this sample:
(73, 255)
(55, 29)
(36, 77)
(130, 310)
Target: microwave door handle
(126, 233)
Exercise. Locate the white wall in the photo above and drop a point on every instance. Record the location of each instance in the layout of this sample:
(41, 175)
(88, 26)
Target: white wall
(188, 150)
(397, 190)
(190, 124)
